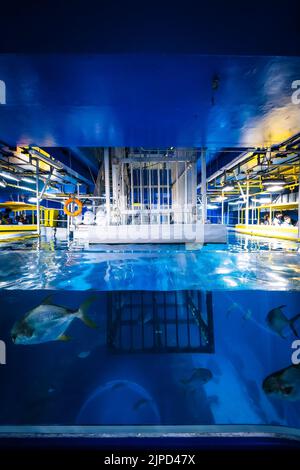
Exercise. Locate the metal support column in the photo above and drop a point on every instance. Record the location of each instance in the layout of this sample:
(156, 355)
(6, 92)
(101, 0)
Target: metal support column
(158, 194)
(222, 217)
(38, 219)
(247, 203)
(107, 184)
(299, 207)
(131, 193)
(227, 213)
(168, 192)
(194, 192)
(150, 194)
(185, 193)
(141, 194)
(203, 185)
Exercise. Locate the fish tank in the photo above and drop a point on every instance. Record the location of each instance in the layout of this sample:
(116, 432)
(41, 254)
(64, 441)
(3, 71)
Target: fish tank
(127, 341)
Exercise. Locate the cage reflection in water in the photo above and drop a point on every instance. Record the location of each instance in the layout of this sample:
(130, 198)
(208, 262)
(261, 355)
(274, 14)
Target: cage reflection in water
(153, 321)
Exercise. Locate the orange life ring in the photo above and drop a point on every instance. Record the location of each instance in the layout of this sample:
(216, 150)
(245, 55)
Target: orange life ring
(78, 203)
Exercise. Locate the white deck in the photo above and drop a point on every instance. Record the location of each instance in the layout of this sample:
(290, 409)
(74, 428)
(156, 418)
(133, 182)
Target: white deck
(175, 233)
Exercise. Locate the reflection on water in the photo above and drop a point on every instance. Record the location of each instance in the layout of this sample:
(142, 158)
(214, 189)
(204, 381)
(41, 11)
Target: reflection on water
(158, 357)
(165, 268)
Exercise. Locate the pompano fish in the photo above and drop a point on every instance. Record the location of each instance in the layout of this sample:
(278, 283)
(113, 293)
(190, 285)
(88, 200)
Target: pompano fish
(49, 322)
(200, 375)
(284, 384)
(277, 321)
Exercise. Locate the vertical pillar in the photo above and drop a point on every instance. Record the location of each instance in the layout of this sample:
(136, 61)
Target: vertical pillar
(158, 194)
(228, 213)
(185, 193)
(194, 191)
(38, 220)
(141, 194)
(203, 186)
(168, 191)
(114, 169)
(299, 206)
(131, 193)
(107, 184)
(247, 203)
(150, 193)
(222, 216)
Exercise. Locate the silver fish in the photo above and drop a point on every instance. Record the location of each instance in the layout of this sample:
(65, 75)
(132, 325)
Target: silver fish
(49, 322)
(284, 384)
(277, 321)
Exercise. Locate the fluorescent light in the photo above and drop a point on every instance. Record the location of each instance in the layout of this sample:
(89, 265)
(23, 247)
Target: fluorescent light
(228, 187)
(2, 184)
(26, 189)
(234, 203)
(273, 182)
(221, 198)
(28, 180)
(212, 206)
(263, 200)
(32, 199)
(8, 176)
(275, 189)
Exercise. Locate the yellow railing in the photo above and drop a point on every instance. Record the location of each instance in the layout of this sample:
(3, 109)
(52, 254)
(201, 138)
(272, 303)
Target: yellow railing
(269, 231)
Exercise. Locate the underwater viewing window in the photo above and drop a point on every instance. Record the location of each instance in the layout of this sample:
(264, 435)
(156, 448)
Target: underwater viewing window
(125, 362)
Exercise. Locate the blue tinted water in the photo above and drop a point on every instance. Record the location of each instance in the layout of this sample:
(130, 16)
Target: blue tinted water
(245, 263)
(85, 381)
(82, 381)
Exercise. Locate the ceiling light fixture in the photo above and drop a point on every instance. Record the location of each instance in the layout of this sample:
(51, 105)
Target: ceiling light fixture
(221, 198)
(28, 180)
(228, 187)
(275, 189)
(273, 182)
(8, 176)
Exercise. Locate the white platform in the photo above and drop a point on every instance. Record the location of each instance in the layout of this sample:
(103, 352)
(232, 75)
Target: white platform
(59, 233)
(175, 233)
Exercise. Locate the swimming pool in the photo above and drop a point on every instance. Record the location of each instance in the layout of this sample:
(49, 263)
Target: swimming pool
(175, 339)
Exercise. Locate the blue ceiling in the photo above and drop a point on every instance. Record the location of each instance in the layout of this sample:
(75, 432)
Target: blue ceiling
(148, 100)
(156, 26)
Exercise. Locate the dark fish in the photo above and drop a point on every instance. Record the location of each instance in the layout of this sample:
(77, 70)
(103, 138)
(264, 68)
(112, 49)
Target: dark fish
(277, 321)
(284, 384)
